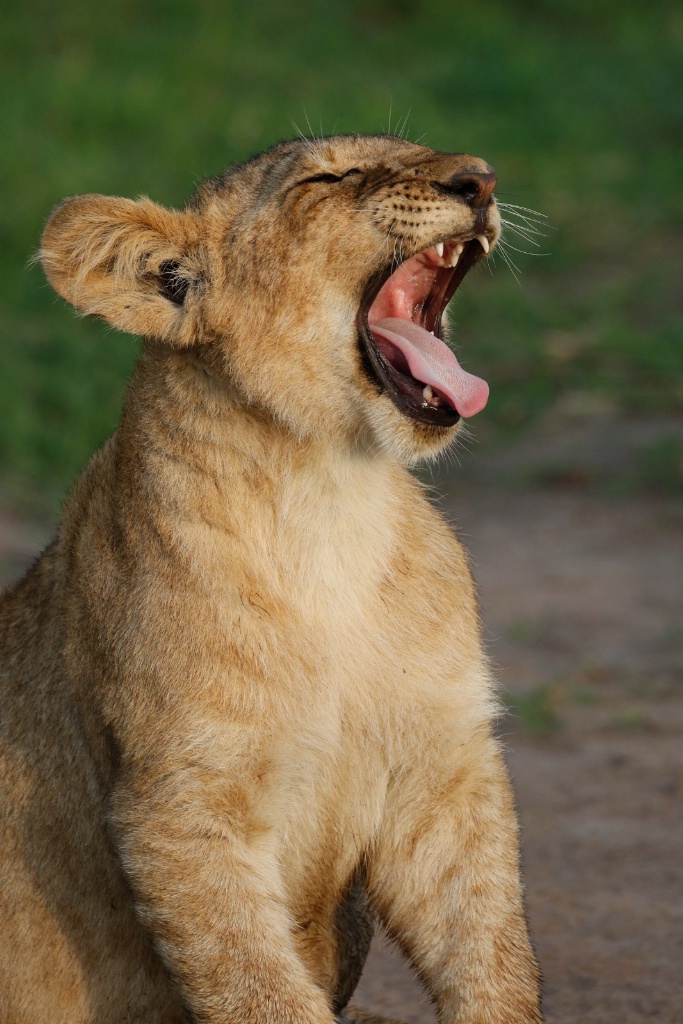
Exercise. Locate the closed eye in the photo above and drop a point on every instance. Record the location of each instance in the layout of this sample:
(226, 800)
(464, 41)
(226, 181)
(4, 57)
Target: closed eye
(329, 178)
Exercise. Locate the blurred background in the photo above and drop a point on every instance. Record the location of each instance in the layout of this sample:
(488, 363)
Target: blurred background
(578, 105)
(569, 491)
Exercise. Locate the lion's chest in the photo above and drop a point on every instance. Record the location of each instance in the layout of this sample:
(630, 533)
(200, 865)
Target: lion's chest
(326, 637)
(360, 620)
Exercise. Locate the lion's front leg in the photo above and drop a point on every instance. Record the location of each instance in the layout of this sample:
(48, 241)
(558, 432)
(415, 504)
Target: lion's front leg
(445, 879)
(212, 900)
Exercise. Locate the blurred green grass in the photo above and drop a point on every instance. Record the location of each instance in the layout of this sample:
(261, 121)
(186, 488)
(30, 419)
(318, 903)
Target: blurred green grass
(576, 104)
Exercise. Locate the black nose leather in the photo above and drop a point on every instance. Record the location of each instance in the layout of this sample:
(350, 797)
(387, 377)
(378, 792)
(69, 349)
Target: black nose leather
(474, 188)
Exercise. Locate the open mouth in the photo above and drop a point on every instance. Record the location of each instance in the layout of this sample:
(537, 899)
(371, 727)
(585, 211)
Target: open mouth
(400, 323)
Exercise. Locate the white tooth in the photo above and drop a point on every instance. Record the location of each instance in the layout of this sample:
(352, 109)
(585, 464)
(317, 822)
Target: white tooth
(456, 253)
(427, 393)
(483, 242)
(439, 249)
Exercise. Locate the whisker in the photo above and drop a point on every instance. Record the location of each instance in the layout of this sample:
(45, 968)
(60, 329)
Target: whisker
(522, 234)
(526, 209)
(522, 231)
(531, 229)
(404, 127)
(383, 244)
(490, 263)
(524, 227)
(510, 264)
(531, 222)
(525, 252)
(504, 244)
(304, 138)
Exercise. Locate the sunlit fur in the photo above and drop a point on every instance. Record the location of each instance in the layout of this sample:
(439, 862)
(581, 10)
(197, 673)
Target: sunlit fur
(244, 701)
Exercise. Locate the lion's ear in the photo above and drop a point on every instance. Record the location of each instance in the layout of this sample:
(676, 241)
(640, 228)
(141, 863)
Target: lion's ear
(132, 263)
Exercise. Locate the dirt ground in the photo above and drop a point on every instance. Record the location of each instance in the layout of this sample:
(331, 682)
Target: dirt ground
(582, 599)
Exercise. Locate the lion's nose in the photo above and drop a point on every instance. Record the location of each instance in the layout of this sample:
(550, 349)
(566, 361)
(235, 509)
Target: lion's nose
(473, 187)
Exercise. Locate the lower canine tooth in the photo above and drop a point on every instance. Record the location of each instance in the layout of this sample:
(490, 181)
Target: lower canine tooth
(427, 393)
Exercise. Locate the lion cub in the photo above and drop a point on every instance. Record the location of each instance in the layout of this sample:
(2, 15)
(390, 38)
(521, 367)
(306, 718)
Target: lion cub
(244, 701)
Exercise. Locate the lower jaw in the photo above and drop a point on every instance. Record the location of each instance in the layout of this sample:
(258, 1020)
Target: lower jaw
(406, 394)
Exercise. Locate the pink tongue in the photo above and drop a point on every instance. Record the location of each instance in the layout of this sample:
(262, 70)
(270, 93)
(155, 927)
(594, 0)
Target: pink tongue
(432, 362)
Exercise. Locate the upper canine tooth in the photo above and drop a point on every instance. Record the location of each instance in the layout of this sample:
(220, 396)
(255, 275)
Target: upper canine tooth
(439, 249)
(484, 243)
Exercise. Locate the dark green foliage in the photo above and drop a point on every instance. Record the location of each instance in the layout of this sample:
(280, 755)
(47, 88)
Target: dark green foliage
(576, 104)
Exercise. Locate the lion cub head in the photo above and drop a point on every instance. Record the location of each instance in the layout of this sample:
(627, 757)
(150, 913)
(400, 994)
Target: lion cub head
(312, 280)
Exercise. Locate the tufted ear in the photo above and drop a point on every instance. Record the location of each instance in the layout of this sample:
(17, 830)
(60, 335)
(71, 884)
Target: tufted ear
(136, 264)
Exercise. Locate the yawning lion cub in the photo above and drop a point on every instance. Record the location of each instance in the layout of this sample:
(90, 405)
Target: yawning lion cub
(244, 701)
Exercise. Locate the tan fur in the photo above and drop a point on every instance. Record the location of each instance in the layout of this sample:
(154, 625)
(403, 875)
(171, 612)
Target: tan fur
(243, 693)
